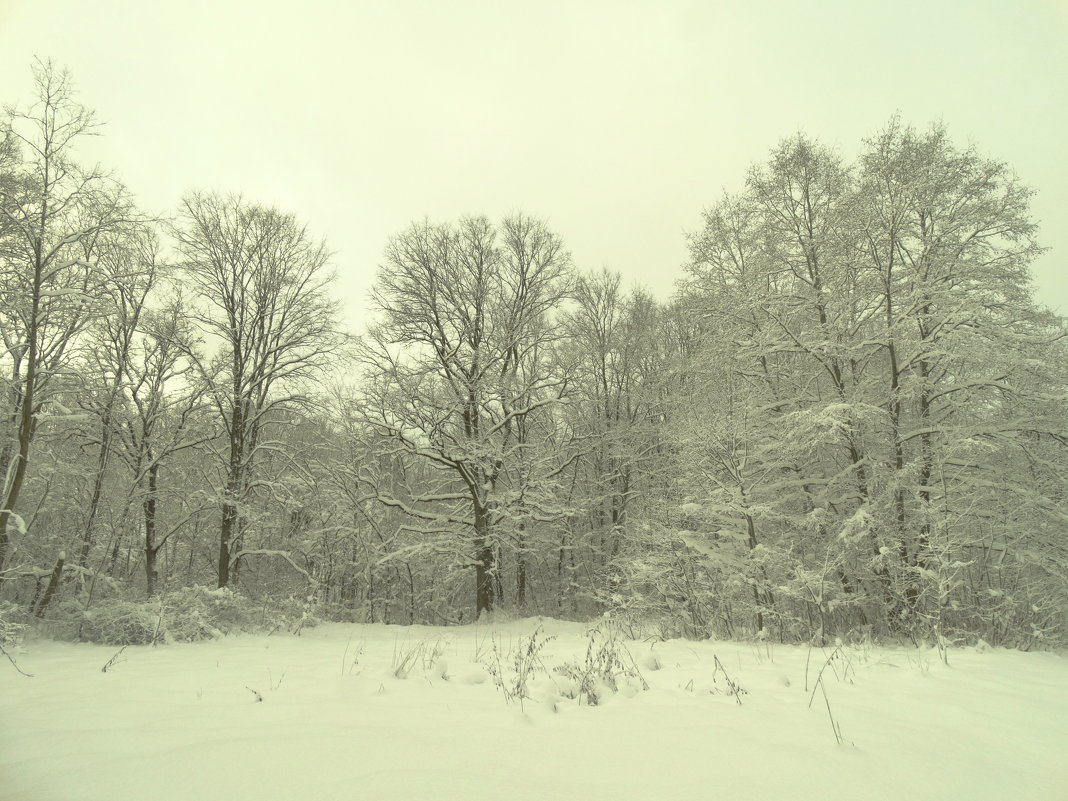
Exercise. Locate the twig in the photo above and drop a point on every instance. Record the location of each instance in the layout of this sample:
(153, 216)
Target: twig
(827, 701)
(15, 664)
(270, 679)
(345, 656)
(834, 724)
(159, 624)
(300, 624)
(259, 698)
(819, 676)
(734, 688)
(113, 661)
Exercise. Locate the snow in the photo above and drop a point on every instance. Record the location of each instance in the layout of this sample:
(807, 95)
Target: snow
(183, 721)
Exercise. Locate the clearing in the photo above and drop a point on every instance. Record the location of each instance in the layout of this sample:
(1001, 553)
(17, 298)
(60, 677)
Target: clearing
(396, 712)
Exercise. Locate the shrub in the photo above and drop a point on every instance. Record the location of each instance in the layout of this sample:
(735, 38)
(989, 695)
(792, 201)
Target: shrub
(64, 619)
(342, 613)
(119, 622)
(292, 614)
(424, 653)
(608, 664)
(12, 623)
(199, 613)
(188, 614)
(512, 677)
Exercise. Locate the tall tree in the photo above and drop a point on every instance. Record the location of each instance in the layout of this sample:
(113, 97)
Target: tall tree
(160, 414)
(133, 267)
(949, 236)
(458, 364)
(263, 285)
(615, 336)
(56, 214)
(877, 324)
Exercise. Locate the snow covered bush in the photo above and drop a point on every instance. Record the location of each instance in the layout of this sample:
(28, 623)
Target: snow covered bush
(342, 613)
(294, 614)
(65, 618)
(185, 615)
(199, 613)
(120, 622)
(666, 585)
(12, 623)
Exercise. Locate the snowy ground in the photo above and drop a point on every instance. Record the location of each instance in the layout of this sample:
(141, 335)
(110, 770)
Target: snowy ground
(335, 721)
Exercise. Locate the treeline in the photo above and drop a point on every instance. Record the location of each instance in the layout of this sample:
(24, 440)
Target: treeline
(850, 419)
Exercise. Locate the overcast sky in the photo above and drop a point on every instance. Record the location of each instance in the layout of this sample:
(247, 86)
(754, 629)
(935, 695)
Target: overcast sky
(616, 121)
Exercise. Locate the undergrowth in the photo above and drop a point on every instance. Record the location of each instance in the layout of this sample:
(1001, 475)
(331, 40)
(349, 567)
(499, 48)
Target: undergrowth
(512, 674)
(185, 615)
(607, 667)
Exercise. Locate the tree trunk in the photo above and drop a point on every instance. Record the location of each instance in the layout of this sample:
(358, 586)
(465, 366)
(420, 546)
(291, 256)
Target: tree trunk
(29, 390)
(922, 551)
(483, 564)
(520, 572)
(484, 579)
(151, 573)
(53, 584)
(151, 549)
(229, 520)
(899, 611)
(98, 488)
(750, 527)
(229, 528)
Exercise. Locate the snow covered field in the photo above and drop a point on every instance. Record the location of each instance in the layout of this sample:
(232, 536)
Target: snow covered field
(336, 721)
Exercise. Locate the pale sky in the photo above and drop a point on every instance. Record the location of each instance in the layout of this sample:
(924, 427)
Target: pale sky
(618, 122)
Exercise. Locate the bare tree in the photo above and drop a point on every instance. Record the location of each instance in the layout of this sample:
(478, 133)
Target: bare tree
(262, 283)
(133, 265)
(457, 365)
(55, 216)
(161, 414)
(616, 336)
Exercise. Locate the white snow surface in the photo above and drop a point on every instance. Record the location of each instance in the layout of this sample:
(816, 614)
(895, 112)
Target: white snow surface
(335, 722)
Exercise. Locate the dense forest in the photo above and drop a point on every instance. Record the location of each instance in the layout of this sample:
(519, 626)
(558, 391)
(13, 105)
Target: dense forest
(850, 419)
